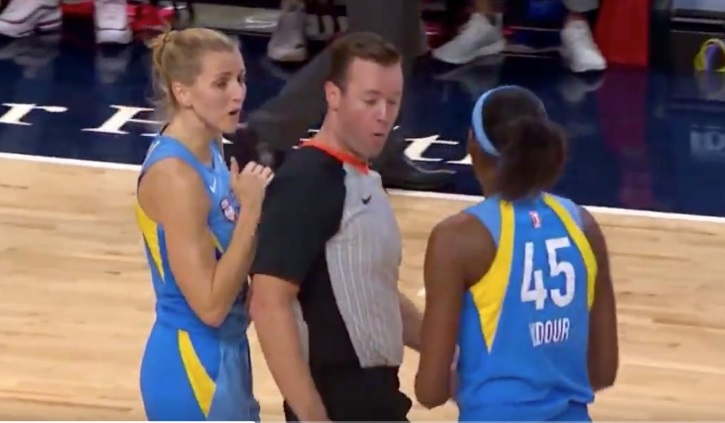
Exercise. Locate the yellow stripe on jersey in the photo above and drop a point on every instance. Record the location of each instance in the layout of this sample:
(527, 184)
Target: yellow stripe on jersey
(217, 244)
(150, 232)
(577, 235)
(488, 293)
(200, 381)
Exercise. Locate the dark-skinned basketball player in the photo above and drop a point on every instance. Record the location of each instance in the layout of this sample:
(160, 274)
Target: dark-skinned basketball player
(518, 285)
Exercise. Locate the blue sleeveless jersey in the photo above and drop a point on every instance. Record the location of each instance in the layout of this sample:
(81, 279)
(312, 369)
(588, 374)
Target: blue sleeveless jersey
(206, 370)
(171, 306)
(525, 325)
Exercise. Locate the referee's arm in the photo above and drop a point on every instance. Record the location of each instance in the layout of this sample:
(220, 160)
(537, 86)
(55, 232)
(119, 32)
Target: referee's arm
(301, 213)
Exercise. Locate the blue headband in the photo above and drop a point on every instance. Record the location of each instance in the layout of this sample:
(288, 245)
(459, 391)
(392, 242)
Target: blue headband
(477, 121)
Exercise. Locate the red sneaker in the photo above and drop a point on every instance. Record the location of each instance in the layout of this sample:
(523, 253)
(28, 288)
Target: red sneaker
(150, 18)
(81, 9)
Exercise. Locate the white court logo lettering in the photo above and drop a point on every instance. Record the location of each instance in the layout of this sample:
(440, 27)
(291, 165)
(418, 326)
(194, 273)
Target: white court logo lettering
(126, 118)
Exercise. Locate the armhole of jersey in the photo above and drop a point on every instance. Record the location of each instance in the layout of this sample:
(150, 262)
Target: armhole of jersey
(489, 214)
(572, 208)
(156, 156)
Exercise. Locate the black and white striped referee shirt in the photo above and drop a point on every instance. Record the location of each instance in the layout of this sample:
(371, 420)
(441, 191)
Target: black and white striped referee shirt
(327, 225)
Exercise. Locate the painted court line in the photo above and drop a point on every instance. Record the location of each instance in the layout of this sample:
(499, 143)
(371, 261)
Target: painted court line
(595, 209)
(402, 193)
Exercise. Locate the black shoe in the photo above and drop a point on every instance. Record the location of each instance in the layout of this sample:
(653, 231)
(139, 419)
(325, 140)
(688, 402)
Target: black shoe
(398, 171)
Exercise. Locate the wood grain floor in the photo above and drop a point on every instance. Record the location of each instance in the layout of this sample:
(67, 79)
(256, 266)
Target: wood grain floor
(76, 303)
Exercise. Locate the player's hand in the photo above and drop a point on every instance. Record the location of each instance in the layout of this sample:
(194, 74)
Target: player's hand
(250, 184)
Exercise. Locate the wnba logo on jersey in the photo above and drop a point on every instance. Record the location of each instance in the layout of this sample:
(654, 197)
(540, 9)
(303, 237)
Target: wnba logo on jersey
(230, 207)
(535, 219)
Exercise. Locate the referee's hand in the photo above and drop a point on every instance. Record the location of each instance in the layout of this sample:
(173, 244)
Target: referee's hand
(250, 183)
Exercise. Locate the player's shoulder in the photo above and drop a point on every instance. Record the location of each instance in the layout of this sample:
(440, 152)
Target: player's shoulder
(462, 240)
(171, 192)
(456, 223)
(461, 228)
(172, 175)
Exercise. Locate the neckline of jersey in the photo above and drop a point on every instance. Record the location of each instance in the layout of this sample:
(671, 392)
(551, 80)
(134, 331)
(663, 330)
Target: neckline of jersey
(340, 155)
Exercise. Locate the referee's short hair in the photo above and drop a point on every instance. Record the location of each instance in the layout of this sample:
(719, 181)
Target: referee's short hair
(359, 45)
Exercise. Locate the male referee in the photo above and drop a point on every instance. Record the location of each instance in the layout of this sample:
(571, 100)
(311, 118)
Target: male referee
(325, 301)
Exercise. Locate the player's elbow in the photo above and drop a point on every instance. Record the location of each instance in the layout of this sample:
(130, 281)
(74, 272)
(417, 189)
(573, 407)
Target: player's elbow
(604, 373)
(429, 400)
(430, 395)
(212, 317)
(603, 381)
(210, 312)
(607, 378)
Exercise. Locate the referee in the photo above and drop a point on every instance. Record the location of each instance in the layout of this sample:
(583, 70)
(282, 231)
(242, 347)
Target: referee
(325, 301)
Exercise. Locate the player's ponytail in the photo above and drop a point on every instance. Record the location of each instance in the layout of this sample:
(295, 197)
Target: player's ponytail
(163, 52)
(532, 157)
(511, 125)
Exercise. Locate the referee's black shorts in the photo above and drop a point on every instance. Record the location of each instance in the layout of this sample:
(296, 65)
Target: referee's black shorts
(355, 394)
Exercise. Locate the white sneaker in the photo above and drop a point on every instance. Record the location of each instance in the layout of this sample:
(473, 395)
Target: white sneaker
(289, 42)
(112, 22)
(21, 18)
(579, 49)
(477, 38)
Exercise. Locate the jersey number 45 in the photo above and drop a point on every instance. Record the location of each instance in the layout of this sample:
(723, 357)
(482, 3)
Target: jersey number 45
(532, 287)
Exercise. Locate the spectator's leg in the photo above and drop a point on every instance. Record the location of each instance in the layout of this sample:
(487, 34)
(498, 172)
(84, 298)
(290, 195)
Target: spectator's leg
(578, 46)
(289, 40)
(396, 21)
(283, 120)
(478, 37)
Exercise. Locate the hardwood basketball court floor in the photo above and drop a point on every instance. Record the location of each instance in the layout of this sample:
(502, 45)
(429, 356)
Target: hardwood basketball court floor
(76, 303)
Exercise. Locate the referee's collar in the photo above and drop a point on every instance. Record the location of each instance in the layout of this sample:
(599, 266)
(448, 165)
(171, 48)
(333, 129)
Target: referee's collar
(339, 155)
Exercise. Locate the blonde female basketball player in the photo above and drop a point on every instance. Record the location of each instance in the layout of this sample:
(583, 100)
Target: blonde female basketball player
(198, 243)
